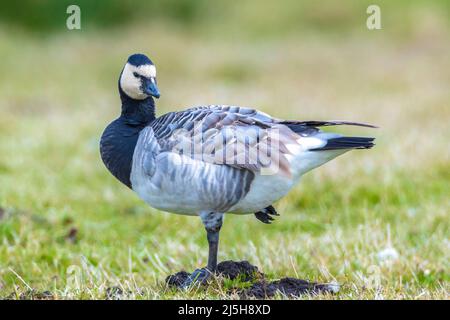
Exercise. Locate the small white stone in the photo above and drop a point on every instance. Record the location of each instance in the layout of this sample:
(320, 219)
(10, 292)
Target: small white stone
(388, 254)
(334, 287)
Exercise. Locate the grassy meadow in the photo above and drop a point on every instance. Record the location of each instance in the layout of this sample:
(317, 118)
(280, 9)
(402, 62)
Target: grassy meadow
(375, 221)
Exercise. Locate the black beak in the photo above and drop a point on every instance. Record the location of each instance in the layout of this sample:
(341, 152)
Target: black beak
(151, 88)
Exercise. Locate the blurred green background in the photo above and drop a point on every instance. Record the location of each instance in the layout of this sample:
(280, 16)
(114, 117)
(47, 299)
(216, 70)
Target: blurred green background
(250, 17)
(386, 209)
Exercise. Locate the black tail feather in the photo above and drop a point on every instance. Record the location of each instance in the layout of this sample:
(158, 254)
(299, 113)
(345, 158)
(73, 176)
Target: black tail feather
(313, 123)
(347, 143)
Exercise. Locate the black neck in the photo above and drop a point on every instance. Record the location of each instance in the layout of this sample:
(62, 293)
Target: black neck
(137, 112)
(120, 137)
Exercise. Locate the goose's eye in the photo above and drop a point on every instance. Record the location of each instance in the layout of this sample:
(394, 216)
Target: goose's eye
(136, 74)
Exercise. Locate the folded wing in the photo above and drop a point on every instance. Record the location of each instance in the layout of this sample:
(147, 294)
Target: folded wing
(235, 136)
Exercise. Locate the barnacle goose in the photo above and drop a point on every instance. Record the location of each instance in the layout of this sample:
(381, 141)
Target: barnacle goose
(211, 160)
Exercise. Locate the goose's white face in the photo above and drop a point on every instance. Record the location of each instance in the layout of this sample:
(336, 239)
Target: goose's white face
(138, 82)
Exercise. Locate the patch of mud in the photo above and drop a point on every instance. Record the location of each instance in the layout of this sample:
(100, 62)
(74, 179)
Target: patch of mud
(239, 269)
(290, 287)
(177, 279)
(260, 288)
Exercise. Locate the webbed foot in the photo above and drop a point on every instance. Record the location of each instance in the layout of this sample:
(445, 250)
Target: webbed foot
(199, 276)
(265, 214)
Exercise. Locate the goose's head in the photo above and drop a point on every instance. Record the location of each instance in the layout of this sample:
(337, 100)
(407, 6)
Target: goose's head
(138, 78)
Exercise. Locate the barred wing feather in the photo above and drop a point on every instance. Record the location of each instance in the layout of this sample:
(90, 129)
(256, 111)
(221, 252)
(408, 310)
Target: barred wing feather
(235, 136)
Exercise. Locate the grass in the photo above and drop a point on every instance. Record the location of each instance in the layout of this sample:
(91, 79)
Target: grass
(69, 230)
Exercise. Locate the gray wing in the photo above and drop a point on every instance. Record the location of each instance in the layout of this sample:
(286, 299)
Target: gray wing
(209, 116)
(235, 136)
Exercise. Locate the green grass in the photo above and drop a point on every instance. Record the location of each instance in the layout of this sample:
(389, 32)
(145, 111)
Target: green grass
(333, 226)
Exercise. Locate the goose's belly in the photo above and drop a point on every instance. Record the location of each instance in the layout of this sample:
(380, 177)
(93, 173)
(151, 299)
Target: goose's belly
(265, 190)
(170, 196)
(174, 202)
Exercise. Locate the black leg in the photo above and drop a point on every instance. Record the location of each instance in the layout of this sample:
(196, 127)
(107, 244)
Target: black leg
(212, 222)
(213, 242)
